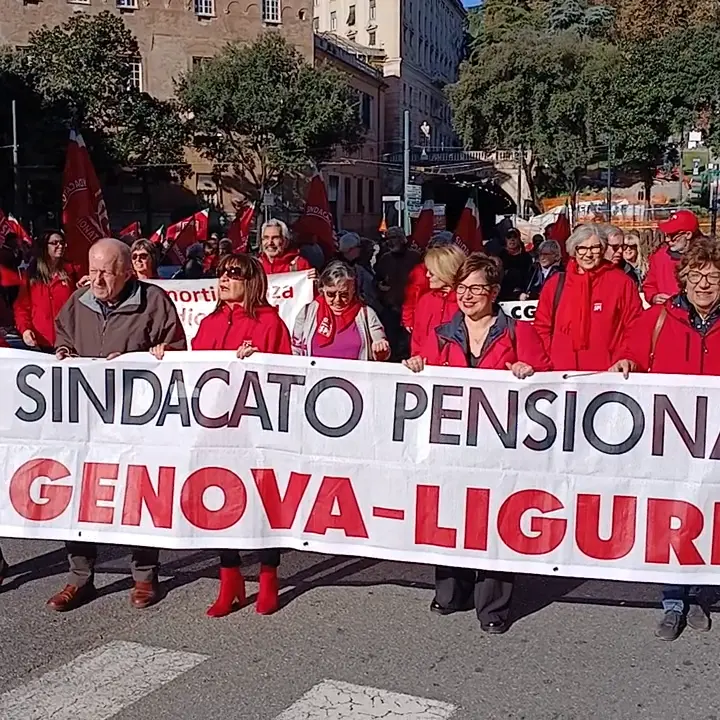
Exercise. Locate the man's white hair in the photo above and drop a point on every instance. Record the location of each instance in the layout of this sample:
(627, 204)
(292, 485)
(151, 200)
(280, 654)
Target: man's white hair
(275, 223)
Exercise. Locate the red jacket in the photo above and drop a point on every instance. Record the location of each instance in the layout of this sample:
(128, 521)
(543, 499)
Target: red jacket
(661, 278)
(229, 327)
(38, 304)
(614, 305)
(508, 341)
(291, 261)
(417, 285)
(680, 348)
(434, 308)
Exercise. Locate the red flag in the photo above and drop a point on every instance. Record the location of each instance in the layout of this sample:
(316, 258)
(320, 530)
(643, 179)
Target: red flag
(316, 219)
(5, 227)
(185, 233)
(84, 214)
(560, 232)
(239, 230)
(468, 233)
(425, 225)
(133, 230)
(19, 230)
(158, 236)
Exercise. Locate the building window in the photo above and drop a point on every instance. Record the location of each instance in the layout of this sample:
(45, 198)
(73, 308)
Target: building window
(371, 196)
(347, 199)
(316, 24)
(205, 8)
(372, 38)
(372, 11)
(351, 15)
(198, 61)
(271, 11)
(127, 4)
(333, 21)
(136, 74)
(365, 102)
(360, 196)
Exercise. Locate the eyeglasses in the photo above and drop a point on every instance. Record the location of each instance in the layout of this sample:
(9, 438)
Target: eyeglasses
(140, 256)
(582, 250)
(343, 295)
(57, 243)
(695, 277)
(621, 246)
(474, 291)
(233, 272)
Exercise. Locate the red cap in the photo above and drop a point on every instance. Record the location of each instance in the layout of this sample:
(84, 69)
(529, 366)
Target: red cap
(680, 221)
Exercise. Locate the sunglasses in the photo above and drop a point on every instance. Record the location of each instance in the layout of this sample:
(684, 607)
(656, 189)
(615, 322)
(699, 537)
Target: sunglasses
(140, 256)
(234, 273)
(336, 295)
(57, 243)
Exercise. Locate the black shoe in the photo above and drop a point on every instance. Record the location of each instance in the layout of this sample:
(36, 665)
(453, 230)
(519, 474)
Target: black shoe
(698, 617)
(497, 627)
(438, 609)
(670, 626)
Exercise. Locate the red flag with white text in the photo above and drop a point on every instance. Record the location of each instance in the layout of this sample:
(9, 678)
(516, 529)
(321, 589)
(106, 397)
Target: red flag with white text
(317, 219)
(132, 230)
(239, 230)
(468, 232)
(185, 233)
(84, 215)
(158, 236)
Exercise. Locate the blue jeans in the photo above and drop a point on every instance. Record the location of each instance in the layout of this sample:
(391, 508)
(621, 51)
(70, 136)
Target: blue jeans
(675, 598)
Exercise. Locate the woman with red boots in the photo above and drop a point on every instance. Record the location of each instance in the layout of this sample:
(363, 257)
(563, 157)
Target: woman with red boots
(45, 288)
(481, 336)
(243, 321)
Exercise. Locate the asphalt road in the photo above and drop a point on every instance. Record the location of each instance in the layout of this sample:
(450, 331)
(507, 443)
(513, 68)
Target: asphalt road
(354, 639)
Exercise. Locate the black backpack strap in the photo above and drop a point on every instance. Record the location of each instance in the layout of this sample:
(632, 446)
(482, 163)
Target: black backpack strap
(556, 300)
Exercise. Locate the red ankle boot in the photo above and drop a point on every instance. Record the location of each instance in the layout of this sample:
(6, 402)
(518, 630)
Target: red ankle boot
(232, 588)
(267, 599)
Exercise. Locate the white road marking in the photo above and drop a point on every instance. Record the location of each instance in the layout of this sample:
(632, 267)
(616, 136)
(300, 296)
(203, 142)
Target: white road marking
(335, 700)
(97, 684)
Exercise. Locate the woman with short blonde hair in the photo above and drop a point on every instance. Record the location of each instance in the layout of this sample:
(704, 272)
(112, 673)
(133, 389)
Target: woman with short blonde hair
(439, 304)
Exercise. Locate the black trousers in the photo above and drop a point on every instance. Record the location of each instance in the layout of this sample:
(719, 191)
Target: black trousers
(231, 558)
(491, 591)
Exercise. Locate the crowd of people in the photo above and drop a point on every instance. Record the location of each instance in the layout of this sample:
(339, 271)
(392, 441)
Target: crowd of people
(392, 303)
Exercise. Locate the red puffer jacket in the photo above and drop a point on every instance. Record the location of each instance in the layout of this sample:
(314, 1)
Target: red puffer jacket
(291, 261)
(38, 304)
(417, 285)
(661, 278)
(509, 341)
(680, 345)
(229, 327)
(613, 305)
(433, 309)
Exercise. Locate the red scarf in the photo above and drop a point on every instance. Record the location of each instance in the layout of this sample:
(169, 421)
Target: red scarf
(328, 324)
(574, 312)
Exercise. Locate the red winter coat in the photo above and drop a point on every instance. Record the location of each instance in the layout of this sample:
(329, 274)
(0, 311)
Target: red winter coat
(661, 278)
(614, 305)
(680, 348)
(291, 261)
(434, 308)
(509, 341)
(417, 285)
(227, 328)
(38, 304)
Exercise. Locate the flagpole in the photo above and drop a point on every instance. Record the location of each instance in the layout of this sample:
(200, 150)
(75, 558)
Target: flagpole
(16, 181)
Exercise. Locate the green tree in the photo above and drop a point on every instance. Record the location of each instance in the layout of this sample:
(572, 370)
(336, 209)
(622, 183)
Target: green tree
(263, 112)
(78, 74)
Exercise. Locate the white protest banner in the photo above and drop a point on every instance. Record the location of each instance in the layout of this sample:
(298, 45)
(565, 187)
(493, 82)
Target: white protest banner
(591, 477)
(194, 299)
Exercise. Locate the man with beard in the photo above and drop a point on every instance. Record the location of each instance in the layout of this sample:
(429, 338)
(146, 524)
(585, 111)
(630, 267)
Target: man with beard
(276, 255)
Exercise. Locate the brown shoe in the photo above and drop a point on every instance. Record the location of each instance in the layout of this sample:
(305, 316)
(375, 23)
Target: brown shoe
(144, 594)
(72, 597)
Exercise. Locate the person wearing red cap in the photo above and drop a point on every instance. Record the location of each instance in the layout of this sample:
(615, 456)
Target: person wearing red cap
(661, 281)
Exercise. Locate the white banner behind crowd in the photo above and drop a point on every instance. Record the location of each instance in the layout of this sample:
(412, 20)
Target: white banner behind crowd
(194, 299)
(589, 477)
